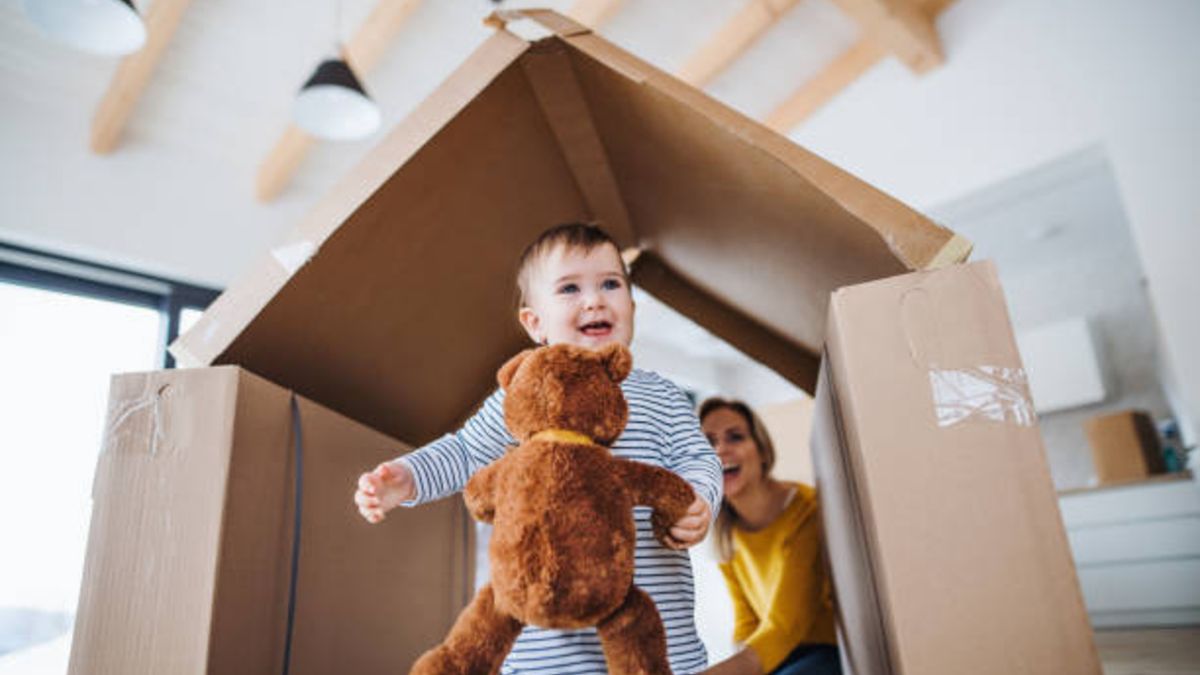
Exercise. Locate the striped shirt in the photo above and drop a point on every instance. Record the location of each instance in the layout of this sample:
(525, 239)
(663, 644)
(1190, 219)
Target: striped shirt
(662, 431)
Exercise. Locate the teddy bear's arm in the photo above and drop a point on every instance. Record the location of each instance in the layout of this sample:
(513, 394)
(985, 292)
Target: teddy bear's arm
(480, 493)
(653, 486)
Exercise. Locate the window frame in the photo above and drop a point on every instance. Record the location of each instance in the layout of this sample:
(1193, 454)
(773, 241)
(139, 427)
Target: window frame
(43, 270)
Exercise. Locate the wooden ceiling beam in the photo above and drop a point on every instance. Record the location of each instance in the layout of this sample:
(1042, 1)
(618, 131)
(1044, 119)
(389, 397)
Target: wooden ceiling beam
(732, 40)
(840, 73)
(825, 85)
(363, 52)
(594, 13)
(904, 28)
(133, 74)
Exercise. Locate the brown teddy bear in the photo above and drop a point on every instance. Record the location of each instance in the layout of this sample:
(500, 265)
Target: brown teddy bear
(562, 509)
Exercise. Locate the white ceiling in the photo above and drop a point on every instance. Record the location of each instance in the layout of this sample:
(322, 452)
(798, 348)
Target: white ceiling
(184, 172)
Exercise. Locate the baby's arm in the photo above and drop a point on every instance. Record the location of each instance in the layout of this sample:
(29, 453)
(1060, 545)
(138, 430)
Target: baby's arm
(653, 486)
(439, 469)
(688, 454)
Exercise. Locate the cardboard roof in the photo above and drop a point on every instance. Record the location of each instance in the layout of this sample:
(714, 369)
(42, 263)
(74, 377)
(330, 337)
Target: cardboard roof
(393, 301)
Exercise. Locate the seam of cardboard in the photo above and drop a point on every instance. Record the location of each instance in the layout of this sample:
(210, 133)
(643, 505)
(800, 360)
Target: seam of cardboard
(560, 98)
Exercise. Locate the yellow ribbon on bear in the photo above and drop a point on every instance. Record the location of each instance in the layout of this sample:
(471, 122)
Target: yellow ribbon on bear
(562, 436)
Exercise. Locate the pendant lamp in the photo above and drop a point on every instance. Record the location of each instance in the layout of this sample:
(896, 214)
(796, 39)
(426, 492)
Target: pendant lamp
(108, 27)
(333, 104)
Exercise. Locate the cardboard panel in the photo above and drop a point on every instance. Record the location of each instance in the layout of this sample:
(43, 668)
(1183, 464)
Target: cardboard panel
(189, 563)
(393, 301)
(959, 518)
(146, 599)
(403, 316)
(714, 194)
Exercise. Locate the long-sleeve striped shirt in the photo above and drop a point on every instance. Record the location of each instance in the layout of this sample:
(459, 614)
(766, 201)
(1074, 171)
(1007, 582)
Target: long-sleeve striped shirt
(663, 431)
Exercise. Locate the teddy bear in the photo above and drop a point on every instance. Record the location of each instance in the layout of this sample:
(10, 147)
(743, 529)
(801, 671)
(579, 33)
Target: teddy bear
(561, 507)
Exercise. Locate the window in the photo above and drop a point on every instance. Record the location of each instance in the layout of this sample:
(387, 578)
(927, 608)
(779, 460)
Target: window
(65, 328)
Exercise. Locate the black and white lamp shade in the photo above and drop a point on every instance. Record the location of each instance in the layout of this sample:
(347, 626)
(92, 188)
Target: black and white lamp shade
(107, 27)
(333, 104)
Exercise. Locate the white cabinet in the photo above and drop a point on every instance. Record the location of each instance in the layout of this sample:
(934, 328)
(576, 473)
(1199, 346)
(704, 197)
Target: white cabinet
(1137, 549)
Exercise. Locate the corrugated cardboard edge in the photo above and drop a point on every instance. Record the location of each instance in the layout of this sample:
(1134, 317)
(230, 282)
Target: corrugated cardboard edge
(234, 309)
(955, 251)
(868, 539)
(556, 23)
(857, 658)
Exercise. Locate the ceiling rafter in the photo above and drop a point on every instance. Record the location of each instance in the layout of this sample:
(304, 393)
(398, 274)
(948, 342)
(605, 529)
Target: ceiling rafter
(363, 51)
(878, 41)
(902, 27)
(133, 74)
(823, 86)
(733, 39)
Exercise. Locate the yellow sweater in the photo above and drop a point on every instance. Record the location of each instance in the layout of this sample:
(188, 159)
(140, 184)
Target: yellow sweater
(777, 577)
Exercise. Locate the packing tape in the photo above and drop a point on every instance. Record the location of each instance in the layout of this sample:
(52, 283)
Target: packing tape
(992, 393)
(123, 411)
(294, 255)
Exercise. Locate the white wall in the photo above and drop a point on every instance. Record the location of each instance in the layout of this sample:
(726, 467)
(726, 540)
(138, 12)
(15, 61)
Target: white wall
(1027, 81)
(1061, 240)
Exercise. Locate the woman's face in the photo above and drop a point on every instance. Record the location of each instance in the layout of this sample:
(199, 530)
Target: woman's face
(741, 461)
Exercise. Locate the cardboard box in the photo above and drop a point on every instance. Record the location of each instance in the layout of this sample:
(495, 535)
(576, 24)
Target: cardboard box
(189, 557)
(1125, 446)
(946, 543)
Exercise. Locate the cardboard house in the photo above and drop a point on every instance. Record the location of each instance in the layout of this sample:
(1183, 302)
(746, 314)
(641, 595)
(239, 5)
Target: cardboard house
(388, 309)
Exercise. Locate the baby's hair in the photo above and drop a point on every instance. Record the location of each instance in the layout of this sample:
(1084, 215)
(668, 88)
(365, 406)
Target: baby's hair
(582, 237)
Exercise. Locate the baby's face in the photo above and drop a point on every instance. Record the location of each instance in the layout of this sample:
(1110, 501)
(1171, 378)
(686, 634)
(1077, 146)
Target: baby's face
(579, 298)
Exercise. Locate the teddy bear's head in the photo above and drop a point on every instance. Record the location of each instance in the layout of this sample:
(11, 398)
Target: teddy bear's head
(567, 388)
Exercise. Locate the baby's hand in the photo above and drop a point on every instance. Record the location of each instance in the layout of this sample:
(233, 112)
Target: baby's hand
(691, 528)
(383, 489)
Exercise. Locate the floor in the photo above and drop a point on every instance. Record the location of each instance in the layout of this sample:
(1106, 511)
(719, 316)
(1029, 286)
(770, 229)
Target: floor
(1161, 651)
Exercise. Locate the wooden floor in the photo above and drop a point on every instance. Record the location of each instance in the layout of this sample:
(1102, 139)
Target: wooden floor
(1161, 651)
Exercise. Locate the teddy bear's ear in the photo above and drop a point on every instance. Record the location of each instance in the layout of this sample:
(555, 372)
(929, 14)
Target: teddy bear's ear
(505, 375)
(617, 361)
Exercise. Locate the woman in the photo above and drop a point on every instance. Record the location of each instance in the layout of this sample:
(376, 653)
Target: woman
(768, 537)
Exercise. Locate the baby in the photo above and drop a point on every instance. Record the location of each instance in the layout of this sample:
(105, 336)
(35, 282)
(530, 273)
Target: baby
(574, 289)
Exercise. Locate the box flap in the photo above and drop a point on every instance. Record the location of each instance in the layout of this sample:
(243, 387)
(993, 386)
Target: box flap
(860, 615)
(394, 303)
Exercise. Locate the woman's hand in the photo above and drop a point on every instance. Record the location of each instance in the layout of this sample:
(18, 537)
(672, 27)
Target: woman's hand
(692, 527)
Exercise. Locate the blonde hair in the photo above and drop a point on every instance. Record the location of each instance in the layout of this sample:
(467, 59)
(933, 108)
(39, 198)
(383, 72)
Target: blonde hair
(727, 518)
(582, 237)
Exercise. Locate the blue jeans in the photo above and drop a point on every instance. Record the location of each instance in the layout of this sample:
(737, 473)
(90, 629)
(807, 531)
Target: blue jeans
(811, 660)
